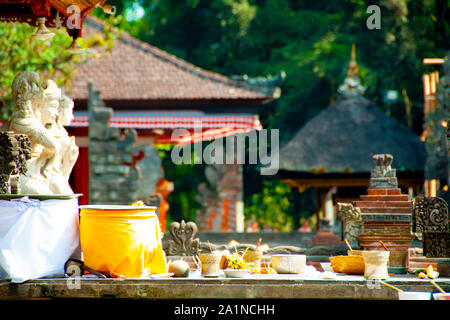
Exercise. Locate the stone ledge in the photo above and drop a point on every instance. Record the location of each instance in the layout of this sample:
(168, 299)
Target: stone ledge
(385, 210)
(383, 204)
(347, 287)
(399, 217)
(384, 191)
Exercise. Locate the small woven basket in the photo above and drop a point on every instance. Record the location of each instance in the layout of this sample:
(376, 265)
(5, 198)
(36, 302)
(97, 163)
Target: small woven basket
(348, 264)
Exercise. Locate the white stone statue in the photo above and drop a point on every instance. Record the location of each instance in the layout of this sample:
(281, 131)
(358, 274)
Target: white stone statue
(40, 114)
(70, 149)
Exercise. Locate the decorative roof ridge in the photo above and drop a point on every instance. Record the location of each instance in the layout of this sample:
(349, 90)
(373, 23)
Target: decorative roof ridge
(269, 91)
(352, 84)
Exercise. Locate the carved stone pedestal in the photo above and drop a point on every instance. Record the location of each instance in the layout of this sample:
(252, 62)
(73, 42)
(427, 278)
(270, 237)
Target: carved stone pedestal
(386, 213)
(386, 216)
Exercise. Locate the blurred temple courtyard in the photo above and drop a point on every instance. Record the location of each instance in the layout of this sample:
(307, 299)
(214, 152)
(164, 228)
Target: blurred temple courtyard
(224, 149)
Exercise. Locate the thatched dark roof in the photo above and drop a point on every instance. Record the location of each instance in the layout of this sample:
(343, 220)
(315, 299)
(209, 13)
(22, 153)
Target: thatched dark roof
(344, 136)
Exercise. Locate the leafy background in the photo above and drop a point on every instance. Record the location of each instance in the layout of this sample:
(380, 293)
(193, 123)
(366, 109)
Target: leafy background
(308, 40)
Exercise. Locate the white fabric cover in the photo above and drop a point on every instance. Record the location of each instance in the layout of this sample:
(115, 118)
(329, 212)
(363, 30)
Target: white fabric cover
(37, 237)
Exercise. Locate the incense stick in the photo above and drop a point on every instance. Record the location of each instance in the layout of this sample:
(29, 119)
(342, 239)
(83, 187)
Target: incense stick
(348, 245)
(382, 244)
(210, 249)
(391, 286)
(195, 261)
(257, 245)
(439, 288)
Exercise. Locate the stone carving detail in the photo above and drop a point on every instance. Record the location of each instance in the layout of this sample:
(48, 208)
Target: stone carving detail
(40, 115)
(430, 215)
(431, 221)
(351, 221)
(383, 175)
(183, 242)
(436, 244)
(15, 150)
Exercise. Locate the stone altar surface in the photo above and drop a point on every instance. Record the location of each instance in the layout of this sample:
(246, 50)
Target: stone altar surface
(283, 286)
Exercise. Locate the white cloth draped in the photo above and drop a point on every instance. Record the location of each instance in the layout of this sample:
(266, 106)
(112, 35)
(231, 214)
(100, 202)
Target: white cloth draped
(37, 237)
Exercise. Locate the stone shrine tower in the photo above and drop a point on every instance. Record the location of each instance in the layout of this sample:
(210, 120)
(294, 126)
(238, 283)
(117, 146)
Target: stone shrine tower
(386, 213)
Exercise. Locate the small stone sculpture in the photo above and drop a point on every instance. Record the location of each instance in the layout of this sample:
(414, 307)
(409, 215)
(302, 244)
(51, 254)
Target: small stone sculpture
(68, 146)
(351, 221)
(37, 115)
(183, 242)
(383, 175)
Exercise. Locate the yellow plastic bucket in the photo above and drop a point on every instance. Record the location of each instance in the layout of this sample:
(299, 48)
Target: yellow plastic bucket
(121, 241)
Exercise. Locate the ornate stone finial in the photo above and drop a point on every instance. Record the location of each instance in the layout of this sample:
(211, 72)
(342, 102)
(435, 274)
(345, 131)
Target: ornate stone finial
(352, 85)
(383, 176)
(183, 242)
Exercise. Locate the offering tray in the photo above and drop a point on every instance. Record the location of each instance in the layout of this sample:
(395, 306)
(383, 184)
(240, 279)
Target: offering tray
(40, 196)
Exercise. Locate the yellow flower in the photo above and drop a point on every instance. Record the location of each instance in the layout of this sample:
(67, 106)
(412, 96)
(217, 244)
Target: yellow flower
(431, 273)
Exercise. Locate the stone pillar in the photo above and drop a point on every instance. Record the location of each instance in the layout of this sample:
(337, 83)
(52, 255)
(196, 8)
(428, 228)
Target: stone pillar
(386, 213)
(230, 195)
(222, 201)
(111, 179)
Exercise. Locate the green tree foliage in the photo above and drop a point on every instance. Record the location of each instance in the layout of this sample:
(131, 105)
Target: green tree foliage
(310, 40)
(272, 206)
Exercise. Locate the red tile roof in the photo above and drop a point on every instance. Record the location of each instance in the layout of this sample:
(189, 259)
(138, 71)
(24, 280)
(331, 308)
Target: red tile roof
(135, 70)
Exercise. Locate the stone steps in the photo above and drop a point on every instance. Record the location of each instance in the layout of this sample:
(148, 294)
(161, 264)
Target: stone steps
(388, 191)
(401, 197)
(386, 217)
(385, 210)
(383, 204)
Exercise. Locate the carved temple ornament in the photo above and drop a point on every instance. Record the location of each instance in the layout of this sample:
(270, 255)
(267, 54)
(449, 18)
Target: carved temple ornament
(183, 242)
(15, 150)
(436, 244)
(430, 215)
(40, 115)
(431, 219)
(351, 221)
(383, 175)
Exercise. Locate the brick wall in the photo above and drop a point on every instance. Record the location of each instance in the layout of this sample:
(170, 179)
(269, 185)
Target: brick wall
(220, 209)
